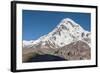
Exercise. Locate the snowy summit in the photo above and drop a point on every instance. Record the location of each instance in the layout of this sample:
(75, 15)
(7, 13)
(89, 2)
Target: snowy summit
(66, 32)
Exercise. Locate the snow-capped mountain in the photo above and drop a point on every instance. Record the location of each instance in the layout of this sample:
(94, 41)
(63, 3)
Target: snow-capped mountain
(66, 32)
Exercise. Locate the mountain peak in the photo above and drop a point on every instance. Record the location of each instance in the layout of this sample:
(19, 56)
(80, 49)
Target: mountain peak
(68, 24)
(68, 20)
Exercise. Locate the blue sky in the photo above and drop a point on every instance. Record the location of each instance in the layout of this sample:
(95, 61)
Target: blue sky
(39, 23)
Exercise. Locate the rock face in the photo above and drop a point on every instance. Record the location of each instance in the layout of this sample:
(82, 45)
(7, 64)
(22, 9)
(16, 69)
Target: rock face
(75, 51)
(68, 40)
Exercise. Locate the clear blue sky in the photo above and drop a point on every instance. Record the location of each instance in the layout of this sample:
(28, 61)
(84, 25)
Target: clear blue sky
(39, 23)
